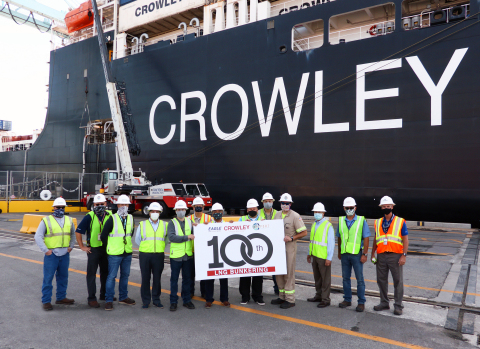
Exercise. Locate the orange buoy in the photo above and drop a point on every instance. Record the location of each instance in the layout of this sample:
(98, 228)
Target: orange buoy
(80, 18)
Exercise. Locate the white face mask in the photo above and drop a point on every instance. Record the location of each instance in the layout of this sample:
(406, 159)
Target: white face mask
(123, 211)
(350, 212)
(268, 205)
(181, 214)
(154, 216)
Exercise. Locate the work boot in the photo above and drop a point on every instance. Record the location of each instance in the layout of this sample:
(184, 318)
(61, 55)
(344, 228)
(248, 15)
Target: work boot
(47, 306)
(65, 301)
(94, 304)
(381, 307)
(226, 304)
(360, 308)
(277, 301)
(173, 307)
(345, 304)
(314, 299)
(103, 298)
(286, 305)
(323, 304)
(208, 305)
(189, 305)
(398, 311)
(109, 306)
(127, 301)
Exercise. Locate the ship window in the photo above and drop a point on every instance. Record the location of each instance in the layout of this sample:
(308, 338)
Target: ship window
(307, 36)
(362, 24)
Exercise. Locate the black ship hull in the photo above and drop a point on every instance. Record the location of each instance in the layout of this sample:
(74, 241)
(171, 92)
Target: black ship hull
(429, 170)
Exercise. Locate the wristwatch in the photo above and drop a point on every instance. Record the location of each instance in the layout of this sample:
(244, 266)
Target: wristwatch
(404, 254)
(365, 254)
(291, 237)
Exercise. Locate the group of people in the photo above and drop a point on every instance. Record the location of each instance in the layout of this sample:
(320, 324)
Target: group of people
(109, 248)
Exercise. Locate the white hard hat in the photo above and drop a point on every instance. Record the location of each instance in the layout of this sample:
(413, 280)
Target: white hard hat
(252, 203)
(217, 206)
(286, 198)
(59, 202)
(198, 201)
(99, 198)
(155, 206)
(123, 200)
(386, 200)
(180, 204)
(349, 202)
(267, 196)
(319, 207)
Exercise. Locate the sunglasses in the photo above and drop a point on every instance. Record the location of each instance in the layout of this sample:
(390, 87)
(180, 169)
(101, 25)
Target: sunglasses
(285, 203)
(349, 208)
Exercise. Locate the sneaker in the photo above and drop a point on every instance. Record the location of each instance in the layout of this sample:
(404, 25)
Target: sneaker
(173, 307)
(189, 305)
(260, 302)
(208, 305)
(243, 302)
(314, 299)
(360, 308)
(286, 305)
(381, 307)
(94, 304)
(158, 305)
(345, 304)
(145, 306)
(103, 298)
(323, 304)
(65, 301)
(226, 304)
(109, 306)
(127, 301)
(277, 301)
(47, 306)
(398, 311)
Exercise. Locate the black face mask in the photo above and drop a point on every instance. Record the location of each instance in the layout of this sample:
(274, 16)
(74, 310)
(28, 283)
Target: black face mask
(252, 213)
(386, 211)
(198, 209)
(217, 216)
(99, 210)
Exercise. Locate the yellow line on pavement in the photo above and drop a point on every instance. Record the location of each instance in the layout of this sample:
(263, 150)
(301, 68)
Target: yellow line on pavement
(271, 315)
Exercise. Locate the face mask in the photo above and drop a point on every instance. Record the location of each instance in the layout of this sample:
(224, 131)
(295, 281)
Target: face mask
(217, 216)
(123, 211)
(318, 216)
(181, 214)
(252, 213)
(58, 212)
(386, 211)
(268, 205)
(99, 210)
(285, 208)
(198, 209)
(350, 212)
(154, 216)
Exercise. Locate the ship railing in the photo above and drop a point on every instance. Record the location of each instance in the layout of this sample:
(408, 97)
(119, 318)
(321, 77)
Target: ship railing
(292, 5)
(304, 44)
(88, 32)
(362, 32)
(425, 17)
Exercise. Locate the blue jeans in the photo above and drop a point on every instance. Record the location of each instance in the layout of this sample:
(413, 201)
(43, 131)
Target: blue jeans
(115, 262)
(187, 267)
(349, 261)
(58, 267)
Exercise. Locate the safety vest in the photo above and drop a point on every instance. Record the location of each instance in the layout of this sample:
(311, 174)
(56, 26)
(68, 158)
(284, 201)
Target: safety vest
(351, 238)
(262, 215)
(247, 218)
(393, 236)
(153, 241)
(119, 241)
(96, 228)
(178, 250)
(203, 219)
(56, 236)
(318, 239)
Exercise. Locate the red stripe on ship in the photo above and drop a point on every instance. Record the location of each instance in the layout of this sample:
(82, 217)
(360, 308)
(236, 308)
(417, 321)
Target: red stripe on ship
(241, 271)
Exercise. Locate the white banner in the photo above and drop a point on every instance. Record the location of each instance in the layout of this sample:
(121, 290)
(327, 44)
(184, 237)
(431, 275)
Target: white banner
(228, 250)
(144, 11)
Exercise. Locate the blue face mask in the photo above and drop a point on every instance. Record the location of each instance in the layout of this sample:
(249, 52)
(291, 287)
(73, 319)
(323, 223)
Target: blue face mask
(198, 209)
(318, 216)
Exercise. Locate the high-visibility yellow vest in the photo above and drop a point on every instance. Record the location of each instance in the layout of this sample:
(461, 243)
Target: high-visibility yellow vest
(393, 236)
(318, 239)
(247, 218)
(56, 236)
(351, 238)
(205, 218)
(179, 249)
(262, 215)
(119, 241)
(96, 228)
(153, 241)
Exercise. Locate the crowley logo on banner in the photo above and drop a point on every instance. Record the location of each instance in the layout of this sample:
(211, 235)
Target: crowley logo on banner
(239, 249)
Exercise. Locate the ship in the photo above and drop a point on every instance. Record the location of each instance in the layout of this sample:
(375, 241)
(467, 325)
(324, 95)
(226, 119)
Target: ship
(321, 99)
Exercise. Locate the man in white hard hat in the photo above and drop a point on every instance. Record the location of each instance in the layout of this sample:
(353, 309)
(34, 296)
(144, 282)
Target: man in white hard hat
(267, 213)
(150, 238)
(353, 234)
(391, 246)
(217, 214)
(180, 234)
(294, 229)
(320, 254)
(91, 226)
(55, 236)
(255, 282)
(117, 235)
(198, 217)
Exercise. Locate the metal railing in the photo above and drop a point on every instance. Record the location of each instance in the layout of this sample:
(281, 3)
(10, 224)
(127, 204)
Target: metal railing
(309, 43)
(426, 16)
(360, 33)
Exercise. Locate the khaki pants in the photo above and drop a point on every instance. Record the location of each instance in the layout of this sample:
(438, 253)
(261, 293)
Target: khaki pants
(323, 278)
(389, 262)
(286, 283)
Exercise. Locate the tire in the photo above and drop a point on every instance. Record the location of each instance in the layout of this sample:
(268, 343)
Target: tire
(166, 213)
(89, 204)
(145, 210)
